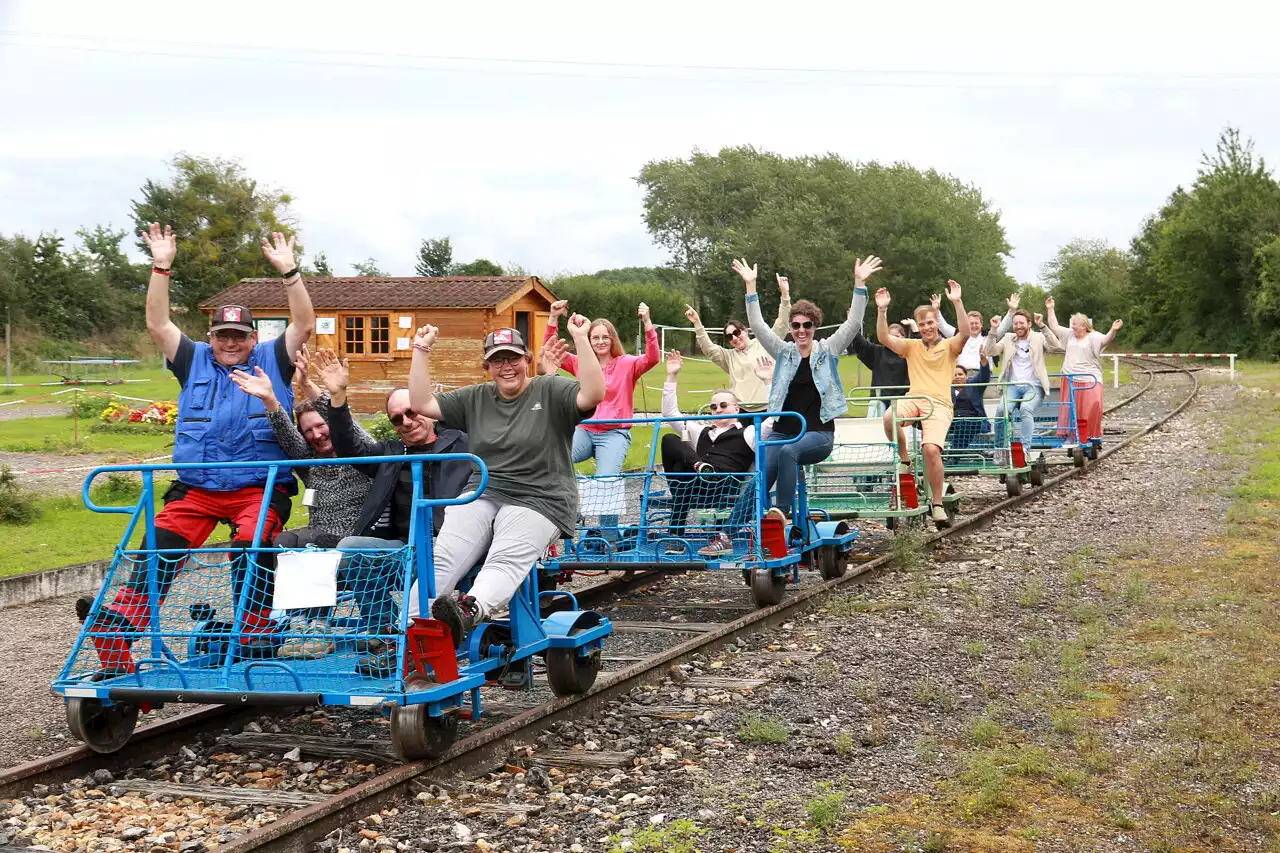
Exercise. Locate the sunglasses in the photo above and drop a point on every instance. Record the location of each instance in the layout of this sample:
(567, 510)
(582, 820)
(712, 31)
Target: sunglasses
(227, 335)
(398, 420)
(501, 360)
(733, 333)
(720, 407)
(807, 324)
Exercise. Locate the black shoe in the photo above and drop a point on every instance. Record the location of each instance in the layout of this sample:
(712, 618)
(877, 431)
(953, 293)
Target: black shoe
(373, 645)
(460, 614)
(83, 605)
(380, 665)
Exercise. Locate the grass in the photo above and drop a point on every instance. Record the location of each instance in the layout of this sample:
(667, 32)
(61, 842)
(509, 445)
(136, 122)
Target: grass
(55, 435)
(160, 385)
(826, 808)
(679, 836)
(758, 729)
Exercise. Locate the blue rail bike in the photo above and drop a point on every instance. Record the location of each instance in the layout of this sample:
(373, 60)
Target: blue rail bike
(863, 478)
(1058, 425)
(657, 521)
(328, 615)
(990, 446)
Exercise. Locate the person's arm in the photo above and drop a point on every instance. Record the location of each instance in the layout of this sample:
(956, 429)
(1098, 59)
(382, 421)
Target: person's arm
(302, 315)
(864, 350)
(258, 384)
(983, 375)
(422, 391)
(772, 343)
(944, 328)
(1111, 335)
(302, 376)
(349, 439)
(670, 405)
(719, 355)
(1051, 320)
(839, 340)
(163, 246)
(954, 295)
(552, 355)
(892, 342)
(652, 355)
(591, 388)
(782, 324)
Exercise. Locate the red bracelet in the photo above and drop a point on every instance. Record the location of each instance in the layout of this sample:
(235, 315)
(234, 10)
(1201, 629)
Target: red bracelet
(422, 347)
(161, 271)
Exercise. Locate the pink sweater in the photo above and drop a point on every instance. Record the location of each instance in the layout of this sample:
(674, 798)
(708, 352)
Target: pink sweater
(620, 377)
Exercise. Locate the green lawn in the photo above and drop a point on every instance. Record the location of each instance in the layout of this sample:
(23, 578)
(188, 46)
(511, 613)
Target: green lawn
(55, 434)
(162, 386)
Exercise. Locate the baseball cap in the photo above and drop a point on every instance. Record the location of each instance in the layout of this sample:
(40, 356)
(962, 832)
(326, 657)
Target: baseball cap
(232, 317)
(504, 340)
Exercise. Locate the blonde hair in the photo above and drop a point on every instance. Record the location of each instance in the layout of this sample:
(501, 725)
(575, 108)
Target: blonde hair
(922, 311)
(728, 391)
(615, 347)
(1088, 326)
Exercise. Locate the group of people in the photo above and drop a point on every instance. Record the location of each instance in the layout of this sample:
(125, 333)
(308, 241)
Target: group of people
(238, 403)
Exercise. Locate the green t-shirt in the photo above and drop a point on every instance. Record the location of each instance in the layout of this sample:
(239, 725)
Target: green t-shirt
(525, 442)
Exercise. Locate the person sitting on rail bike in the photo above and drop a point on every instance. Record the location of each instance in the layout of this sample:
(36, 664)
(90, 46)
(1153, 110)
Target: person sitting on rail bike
(216, 423)
(523, 429)
(931, 362)
(969, 411)
(608, 443)
(334, 492)
(700, 457)
(1024, 373)
(739, 359)
(806, 380)
(1083, 348)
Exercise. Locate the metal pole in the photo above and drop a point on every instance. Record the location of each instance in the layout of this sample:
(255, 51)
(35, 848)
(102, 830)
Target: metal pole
(8, 348)
(75, 417)
(1115, 371)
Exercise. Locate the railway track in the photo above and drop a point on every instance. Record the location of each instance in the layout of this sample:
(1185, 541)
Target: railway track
(660, 623)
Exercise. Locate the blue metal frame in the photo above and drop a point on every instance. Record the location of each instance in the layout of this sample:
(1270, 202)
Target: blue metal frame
(1048, 433)
(223, 670)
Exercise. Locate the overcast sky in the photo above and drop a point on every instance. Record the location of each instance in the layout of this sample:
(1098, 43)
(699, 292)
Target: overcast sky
(518, 128)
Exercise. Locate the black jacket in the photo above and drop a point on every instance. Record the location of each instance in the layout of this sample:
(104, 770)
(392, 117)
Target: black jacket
(888, 369)
(444, 479)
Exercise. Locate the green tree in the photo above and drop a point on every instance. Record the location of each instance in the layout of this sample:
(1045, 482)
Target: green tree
(320, 266)
(810, 217)
(368, 268)
(1205, 266)
(220, 215)
(1089, 277)
(595, 298)
(480, 266)
(435, 258)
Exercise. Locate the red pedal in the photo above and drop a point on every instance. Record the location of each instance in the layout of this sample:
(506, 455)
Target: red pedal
(907, 489)
(773, 535)
(430, 644)
(1019, 457)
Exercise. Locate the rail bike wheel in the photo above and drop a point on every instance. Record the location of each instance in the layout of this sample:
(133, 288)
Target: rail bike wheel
(1013, 485)
(102, 728)
(766, 588)
(415, 734)
(832, 562)
(569, 673)
(1077, 456)
(1036, 476)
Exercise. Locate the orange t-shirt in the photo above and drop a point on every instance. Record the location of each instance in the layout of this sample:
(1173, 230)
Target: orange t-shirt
(932, 368)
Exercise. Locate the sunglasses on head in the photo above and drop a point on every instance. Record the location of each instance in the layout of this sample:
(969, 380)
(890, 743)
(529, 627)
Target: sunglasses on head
(733, 333)
(398, 420)
(807, 324)
(720, 407)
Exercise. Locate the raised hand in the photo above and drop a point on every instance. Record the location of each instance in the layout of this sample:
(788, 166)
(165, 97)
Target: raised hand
(334, 372)
(1013, 301)
(163, 245)
(426, 336)
(995, 322)
(936, 301)
(643, 311)
(302, 374)
(864, 268)
(882, 299)
(784, 286)
(1048, 303)
(302, 361)
(747, 273)
(552, 356)
(578, 328)
(763, 368)
(674, 362)
(1117, 326)
(691, 314)
(953, 291)
(558, 309)
(279, 252)
(256, 384)
(1039, 318)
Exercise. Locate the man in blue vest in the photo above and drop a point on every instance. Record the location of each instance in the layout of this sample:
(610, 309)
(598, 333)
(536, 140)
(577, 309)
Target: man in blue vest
(216, 423)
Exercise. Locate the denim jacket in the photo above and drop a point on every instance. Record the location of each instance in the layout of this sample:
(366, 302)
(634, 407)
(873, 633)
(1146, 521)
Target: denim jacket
(824, 360)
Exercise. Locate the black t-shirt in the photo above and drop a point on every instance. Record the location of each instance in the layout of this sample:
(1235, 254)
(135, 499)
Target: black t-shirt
(180, 367)
(803, 397)
(402, 496)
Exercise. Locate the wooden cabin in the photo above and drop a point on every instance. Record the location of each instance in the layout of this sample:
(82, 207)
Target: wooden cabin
(371, 322)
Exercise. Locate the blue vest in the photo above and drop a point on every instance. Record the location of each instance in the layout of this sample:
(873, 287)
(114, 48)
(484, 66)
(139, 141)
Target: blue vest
(217, 422)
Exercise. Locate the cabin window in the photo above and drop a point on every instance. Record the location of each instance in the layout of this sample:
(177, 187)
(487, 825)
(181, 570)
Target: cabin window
(368, 334)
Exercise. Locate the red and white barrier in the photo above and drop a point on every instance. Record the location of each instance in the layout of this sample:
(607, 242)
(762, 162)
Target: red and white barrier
(1115, 360)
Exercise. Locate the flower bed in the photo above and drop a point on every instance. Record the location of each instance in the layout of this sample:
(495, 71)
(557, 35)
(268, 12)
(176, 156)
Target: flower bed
(154, 417)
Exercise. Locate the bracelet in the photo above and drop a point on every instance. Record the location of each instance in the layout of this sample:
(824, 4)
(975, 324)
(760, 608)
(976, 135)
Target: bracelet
(422, 347)
(290, 274)
(161, 271)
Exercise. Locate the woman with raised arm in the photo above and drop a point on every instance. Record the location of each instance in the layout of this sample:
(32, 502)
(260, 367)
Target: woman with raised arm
(608, 443)
(740, 358)
(1084, 348)
(806, 380)
(523, 429)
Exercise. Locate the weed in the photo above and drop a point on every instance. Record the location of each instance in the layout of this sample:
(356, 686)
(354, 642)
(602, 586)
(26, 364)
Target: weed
(17, 504)
(676, 837)
(936, 842)
(975, 649)
(1119, 818)
(826, 808)
(1064, 722)
(906, 550)
(1085, 611)
(984, 775)
(929, 750)
(867, 691)
(844, 744)
(1036, 647)
(984, 731)
(927, 691)
(1075, 577)
(1031, 833)
(758, 729)
(1032, 593)
(1030, 761)
(117, 489)
(826, 670)
(1069, 778)
(1137, 591)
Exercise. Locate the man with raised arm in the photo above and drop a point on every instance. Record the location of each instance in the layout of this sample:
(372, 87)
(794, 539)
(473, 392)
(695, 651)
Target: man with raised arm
(1027, 378)
(931, 362)
(216, 423)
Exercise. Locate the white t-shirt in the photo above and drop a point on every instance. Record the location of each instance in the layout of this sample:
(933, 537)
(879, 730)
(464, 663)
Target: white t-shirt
(1021, 370)
(971, 357)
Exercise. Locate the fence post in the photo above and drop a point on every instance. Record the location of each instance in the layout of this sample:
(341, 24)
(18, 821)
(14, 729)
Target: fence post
(1115, 371)
(1232, 356)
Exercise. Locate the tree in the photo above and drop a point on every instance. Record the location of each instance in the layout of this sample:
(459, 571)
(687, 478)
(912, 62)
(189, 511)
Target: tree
(220, 215)
(320, 266)
(435, 258)
(368, 268)
(1089, 277)
(480, 266)
(1205, 266)
(595, 297)
(810, 217)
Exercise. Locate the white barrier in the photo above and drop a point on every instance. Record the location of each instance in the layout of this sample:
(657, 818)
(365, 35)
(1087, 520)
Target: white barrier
(1115, 360)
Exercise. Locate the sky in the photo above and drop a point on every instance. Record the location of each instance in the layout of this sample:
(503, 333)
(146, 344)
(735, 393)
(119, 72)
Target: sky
(518, 129)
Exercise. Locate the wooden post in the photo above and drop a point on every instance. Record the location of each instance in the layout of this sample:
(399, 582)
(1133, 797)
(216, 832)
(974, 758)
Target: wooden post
(75, 416)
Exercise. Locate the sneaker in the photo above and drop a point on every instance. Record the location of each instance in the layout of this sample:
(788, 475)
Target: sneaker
(460, 614)
(719, 546)
(83, 605)
(774, 512)
(939, 515)
(316, 644)
(370, 645)
(904, 467)
(381, 665)
(291, 648)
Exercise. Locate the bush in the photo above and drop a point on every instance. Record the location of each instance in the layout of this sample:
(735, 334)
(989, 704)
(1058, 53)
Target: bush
(116, 489)
(17, 505)
(126, 428)
(88, 406)
(381, 429)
